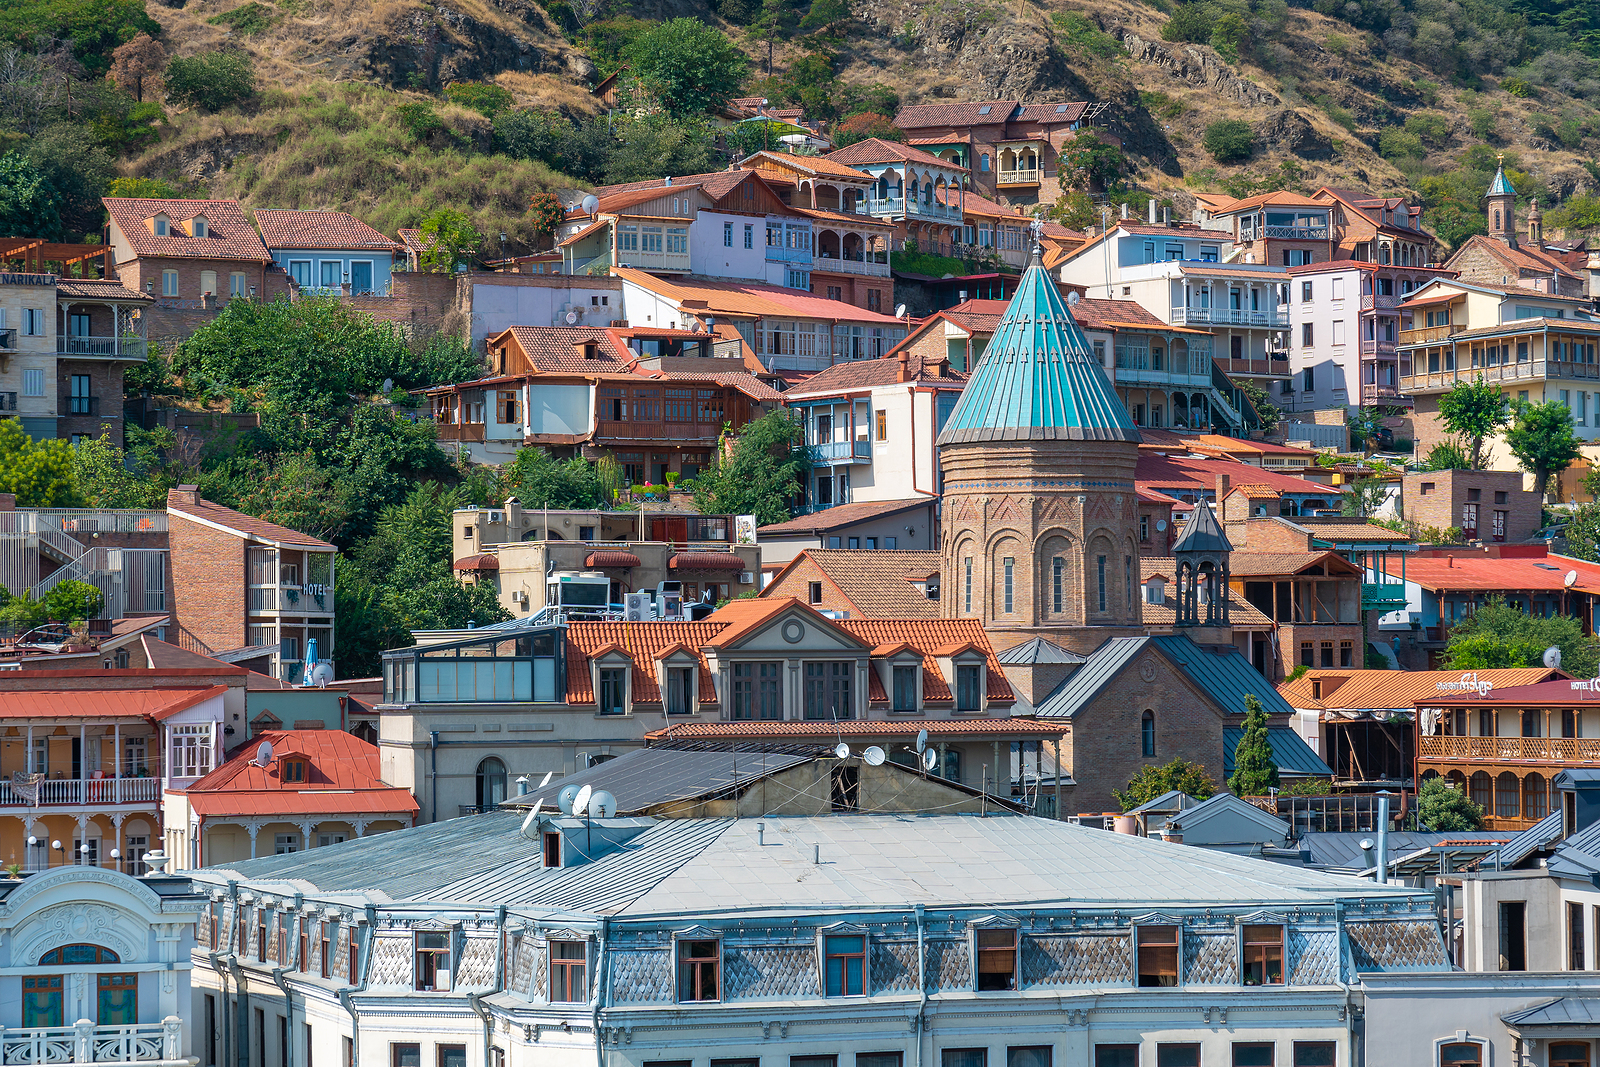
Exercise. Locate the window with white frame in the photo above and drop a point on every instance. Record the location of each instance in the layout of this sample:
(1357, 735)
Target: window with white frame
(191, 750)
(169, 283)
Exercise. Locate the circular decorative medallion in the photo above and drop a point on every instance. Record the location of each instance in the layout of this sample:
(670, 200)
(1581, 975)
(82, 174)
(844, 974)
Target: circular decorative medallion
(1147, 671)
(793, 631)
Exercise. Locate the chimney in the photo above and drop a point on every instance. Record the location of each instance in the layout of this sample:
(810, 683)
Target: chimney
(8, 502)
(1152, 212)
(1166, 216)
(903, 371)
(184, 494)
(1224, 483)
(1449, 561)
(963, 295)
(1124, 209)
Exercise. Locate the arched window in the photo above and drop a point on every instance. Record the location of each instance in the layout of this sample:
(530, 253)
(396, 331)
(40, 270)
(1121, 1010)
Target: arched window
(1497, 218)
(1506, 800)
(1535, 797)
(983, 162)
(78, 956)
(1480, 792)
(491, 783)
(1147, 734)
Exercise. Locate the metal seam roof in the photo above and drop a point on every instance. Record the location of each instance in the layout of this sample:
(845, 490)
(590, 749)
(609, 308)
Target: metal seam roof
(1289, 751)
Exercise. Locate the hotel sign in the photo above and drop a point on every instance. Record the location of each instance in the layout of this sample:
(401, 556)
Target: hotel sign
(1467, 683)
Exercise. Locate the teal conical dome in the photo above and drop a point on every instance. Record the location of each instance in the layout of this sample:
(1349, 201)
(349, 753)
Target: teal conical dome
(1500, 186)
(1038, 380)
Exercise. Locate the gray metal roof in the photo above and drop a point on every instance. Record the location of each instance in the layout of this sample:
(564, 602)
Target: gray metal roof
(1578, 856)
(1202, 533)
(1564, 1011)
(1170, 801)
(647, 777)
(1226, 677)
(1271, 827)
(1542, 834)
(1289, 751)
(1343, 850)
(1039, 651)
(684, 867)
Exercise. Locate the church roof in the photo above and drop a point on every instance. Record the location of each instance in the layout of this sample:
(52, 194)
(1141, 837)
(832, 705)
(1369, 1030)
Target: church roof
(1202, 533)
(1038, 379)
(1500, 186)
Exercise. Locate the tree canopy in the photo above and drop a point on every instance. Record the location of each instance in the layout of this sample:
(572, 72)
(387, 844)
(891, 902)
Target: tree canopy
(1474, 411)
(1541, 438)
(38, 472)
(1500, 635)
(1151, 782)
(765, 472)
(1254, 771)
(1443, 809)
(690, 67)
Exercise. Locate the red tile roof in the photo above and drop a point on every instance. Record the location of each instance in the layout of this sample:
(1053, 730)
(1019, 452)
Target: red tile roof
(705, 561)
(1051, 113)
(320, 229)
(1245, 564)
(1521, 258)
(1278, 199)
(844, 515)
(99, 289)
(1487, 574)
(866, 373)
(926, 636)
(804, 164)
(229, 233)
(866, 728)
(972, 204)
(753, 300)
(243, 525)
(877, 150)
(966, 113)
(556, 348)
(610, 559)
(642, 642)
(1200, 475)
(343, 776)
(153, 703)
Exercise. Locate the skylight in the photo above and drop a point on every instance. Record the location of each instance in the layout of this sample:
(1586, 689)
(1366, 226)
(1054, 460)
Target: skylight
(985, 109)
(1061, 109)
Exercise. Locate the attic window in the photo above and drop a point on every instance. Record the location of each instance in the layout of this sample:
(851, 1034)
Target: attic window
(162, 226)
(293, 770)
(985, 109)
(1316, 689)
(200, 228)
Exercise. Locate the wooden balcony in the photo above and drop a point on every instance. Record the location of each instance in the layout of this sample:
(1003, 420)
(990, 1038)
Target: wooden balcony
(1426, 334)
(613, 430)
(459, 431)
(1519, 751)
(1018, 177)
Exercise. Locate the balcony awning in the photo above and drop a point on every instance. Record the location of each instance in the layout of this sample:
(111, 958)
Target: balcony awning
(1429, 300)
(706, 561)
(483, 562)
(611, 559)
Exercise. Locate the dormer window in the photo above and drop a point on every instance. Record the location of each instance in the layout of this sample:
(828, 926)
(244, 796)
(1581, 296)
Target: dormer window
(905, 688)
(200, 227)
(969, 687)
(1155, 590)
(997, 958)
(292, 770)
(163, 227)
(680, 690)
(613, 690)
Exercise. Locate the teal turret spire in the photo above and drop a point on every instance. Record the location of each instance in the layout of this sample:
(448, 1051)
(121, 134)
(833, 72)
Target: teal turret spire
(1038, 380)
(1500, 186)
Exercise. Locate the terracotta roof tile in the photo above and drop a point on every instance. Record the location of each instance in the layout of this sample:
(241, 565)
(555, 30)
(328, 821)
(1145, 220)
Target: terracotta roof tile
(877, 150)
(753, 300)
(343, 776)
(925, 635)
(1243, 564)
(157, 702)
(844, 515)
(873, 582)
(1051, 113)
(555, 349)
(866, 373)
(229, 233)
(1491, 575)
(968, 113)
(1200, 475)
(642, 641)
(1364, 690)
(804, 164)
(319, 229)
(245, 525)
(97, 289)
(1523, 259)
(1242, 615)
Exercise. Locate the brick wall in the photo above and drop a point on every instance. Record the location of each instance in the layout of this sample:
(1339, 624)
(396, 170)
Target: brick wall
(1293, 636)
(208, 580)
(105, 392)
(797, 583)
(1437, 498)
(1266, 535)
(172, 319)
(1479, 266)
(1188, 726)
(414, 298)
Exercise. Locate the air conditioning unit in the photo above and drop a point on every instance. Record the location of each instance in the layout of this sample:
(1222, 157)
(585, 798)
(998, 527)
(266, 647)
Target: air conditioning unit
(497, 516)
(519, 596)
(637, 607)
(747, 577)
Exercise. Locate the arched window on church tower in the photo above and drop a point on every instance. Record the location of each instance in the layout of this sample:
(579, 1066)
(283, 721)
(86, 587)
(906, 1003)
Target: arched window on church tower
(1147, 734)
(1497, 218)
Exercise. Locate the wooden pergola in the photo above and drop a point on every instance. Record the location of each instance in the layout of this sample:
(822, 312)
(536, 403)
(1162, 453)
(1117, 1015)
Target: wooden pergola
(35, 255)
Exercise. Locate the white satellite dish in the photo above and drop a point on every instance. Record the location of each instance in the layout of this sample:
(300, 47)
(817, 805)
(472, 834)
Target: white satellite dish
(602, 805)
(841, 750)
(547, 776)
(900, 312)
(922, 740)
(1552, 658)
(580, 803)
(533, 816)
(1072, 299)
(873, 756)
(591, 203)
(572, 318)
(930, 759)
(263, 753)
(388, 385)
(564, 799)
(1570, 580)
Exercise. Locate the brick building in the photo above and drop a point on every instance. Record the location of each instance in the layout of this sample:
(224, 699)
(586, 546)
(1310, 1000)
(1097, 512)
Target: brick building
(859, 584)
(242, 582)
(1501, 258)
(1490, 506)
(1012, 149)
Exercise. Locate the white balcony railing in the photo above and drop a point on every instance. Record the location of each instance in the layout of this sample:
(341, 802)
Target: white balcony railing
(1229, 317)
(85, 1042)
(72, 792)
(1019, 177)
(291, 598)
(850, 266)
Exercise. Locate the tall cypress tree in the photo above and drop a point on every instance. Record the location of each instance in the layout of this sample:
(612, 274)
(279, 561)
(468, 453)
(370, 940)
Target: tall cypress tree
(1253, 770)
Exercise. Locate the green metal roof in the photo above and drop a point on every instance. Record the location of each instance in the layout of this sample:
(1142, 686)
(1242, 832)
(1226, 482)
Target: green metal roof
(1038, 379)
(1225, 677)
(1500, 187)
(1289, 751)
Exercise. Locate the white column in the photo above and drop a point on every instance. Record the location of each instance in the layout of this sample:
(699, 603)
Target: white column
(116, 763)
(83, 762)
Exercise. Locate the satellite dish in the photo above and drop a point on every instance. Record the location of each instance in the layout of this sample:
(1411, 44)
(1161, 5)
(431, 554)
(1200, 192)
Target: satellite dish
(580, 803)
(1570, 579)
(922, 740)
(564, 799)
(572, 318)
(1552, 658)
(930, 759)
(1161, 524)
(1072, 299)
(533, 816)
(873, 756)
(388, 385)
(900, 311)
(547, 776)
(602, 805)
(841, 750)
(264, 752)
(591, 203)
(320, 674)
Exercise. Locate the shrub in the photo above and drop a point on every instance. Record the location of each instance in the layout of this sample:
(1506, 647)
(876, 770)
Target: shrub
(1396, 143)
(1337, 43)
(1190, 22)
(865, 125)
(1229, 141)
(1158, 103)
(1517, 87)
(1228, 35)
(529, 134)
(249, 19)
(1430, 128)
(210, 80)
(1076, 33)
(487, 100)
(419, 117)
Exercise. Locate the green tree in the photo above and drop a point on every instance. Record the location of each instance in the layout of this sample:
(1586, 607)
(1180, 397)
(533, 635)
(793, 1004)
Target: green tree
(1091, 163)
(449, 240)
(1254, 771)
(1444, 809)
(293, 489)
(546, 212)
(95, 27)
(540, 481)
(1446, 456)
(1474, 411)
(142, 188)
(40, 473)
(1578, 212)
(1229, 34)
(1541, 439)
(1190, 22)
(765, 472)
(746, 138)
(211, 80)
(1229, 141)
(107, 479)
(1151, 782)
(29, 205)
(367, 626)
(1266, 411)
(528, 133)
(656, 146)
(72, 601)
(75, 165)
(812, 83)
(1364, 499)
(1500, 635)
(825, 20)
(690, 67)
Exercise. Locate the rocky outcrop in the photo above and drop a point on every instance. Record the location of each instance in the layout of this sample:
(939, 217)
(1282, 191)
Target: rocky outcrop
(435, 46)
(1289, 131)
(1196, 64)
(202, 160)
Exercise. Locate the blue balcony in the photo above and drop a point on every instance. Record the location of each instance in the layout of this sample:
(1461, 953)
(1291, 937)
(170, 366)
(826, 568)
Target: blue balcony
(842, 452)
(776, 254)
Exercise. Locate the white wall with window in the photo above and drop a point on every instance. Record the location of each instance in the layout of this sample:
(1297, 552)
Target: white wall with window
(194, 742)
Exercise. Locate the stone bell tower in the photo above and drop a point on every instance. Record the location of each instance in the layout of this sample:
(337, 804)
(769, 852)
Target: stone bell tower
(1040, 518)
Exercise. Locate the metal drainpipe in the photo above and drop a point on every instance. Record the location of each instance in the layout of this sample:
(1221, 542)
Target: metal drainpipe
(922, 981)
(345, 999)
(475, 1000)
(600, 990)
(222, 988)
(288, 1012)
(433, 775)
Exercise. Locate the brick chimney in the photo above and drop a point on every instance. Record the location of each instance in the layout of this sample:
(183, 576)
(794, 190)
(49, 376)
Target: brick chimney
(903, 371)
(184, 494)
(1224, 483)
(8, 502)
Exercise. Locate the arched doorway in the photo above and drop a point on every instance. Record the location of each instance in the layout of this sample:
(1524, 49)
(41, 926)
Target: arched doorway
(491, 783)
